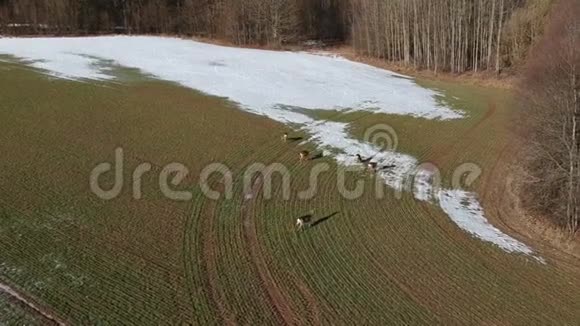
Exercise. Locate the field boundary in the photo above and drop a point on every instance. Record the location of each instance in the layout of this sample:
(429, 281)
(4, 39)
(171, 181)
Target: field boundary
(28, 302)
(500, 197)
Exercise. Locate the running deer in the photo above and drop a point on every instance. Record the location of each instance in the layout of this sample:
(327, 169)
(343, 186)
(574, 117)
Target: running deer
(302, 222)
(360, 159)
(372, 166)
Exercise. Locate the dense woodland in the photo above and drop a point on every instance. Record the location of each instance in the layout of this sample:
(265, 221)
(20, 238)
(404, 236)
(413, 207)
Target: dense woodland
(454, 36)
(449, 35)
(440, 35)
(550, 115)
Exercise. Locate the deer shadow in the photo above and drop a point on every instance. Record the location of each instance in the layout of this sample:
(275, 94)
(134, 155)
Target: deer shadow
(294, 139)
(323, 219)
(317, 156)
(388, 167)
(365, 160)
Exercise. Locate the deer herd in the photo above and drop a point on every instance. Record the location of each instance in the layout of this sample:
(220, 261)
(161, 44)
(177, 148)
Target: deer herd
(304, 155)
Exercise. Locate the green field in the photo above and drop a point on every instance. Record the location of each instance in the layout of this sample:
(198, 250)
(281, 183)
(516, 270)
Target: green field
(157, 261)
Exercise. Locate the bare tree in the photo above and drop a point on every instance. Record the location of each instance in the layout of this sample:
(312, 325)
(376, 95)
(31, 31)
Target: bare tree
(550, 105)
(442, 35)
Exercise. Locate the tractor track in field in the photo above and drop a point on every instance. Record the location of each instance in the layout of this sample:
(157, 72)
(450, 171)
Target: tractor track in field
(209, 243)
(283, 307)
(48, 316)
(279, 300)
(311, 301)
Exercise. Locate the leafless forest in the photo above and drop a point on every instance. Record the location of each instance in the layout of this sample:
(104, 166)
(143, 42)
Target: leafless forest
(440, 35)
(456, 35)
(550, 114)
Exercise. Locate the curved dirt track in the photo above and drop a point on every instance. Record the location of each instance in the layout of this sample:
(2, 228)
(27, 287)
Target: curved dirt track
(209, 242)
(500, 190)
(44, 314)
(284, 309)
(279, 300)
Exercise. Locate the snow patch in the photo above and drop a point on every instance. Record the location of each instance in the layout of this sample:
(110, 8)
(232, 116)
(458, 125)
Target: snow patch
(423, 186)
(464, 209)
(334, 137)
(257, 79)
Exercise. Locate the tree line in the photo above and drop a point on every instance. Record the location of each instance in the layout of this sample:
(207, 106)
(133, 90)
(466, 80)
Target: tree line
(448, 35)
(439, 35)
(550, 115)
(242, 22)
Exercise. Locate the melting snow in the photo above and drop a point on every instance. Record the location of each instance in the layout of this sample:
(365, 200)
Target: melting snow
(276, 84)
(257, 79)
(464, 209)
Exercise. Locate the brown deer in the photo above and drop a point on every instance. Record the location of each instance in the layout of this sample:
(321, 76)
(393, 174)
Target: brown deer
(372, 166)
(360, 159)
(285, 137)
(303, 222)
(304, 155)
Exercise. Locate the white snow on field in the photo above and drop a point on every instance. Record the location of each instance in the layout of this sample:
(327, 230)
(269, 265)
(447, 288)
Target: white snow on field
(424, 188)
(256, 79)
(464, 209)
(334, 135)
(281, 86)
